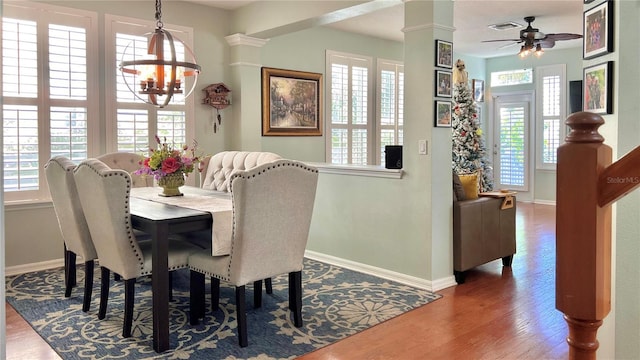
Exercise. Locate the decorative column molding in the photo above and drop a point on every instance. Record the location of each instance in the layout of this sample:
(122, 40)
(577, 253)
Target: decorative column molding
(245, 63)
(242, 39)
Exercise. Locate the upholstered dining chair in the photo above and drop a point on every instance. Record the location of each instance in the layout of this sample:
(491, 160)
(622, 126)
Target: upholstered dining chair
(272, 208)
(104, 195)
(73, 226)
(130, 162)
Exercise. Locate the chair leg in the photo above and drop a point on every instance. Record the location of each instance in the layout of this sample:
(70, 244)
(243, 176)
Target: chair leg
(257, 294)
(268, 286)
(170, 285)
(69, 272)
(88, 285)
(295, 297)
(241, 314)
(129, 293)
(460, 276)
(196, 297)
(507, 260)
(215, 294)
(104, 291)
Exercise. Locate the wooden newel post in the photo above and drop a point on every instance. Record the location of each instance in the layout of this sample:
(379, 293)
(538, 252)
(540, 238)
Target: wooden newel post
(583, 234)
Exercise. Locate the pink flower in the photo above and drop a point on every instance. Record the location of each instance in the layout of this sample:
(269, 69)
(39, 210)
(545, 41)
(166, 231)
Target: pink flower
(170, 165)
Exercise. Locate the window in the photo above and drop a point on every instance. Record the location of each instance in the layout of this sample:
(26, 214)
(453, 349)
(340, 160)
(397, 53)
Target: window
(47, 59)
(390, 106)
(353, 136)
(511, 77)
(131, 123)
(550, 130)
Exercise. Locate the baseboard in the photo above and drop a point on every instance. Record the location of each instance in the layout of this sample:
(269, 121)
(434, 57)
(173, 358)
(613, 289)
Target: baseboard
(419, 283)
(22, 269)
(545, 202)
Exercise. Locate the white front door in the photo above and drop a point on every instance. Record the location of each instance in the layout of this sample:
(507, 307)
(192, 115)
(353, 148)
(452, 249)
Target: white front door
(511, 151)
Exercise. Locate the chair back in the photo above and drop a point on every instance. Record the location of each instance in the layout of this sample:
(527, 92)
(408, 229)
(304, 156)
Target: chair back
(66, 204)
(129, 162)
(272, 208)
(217, 169)
(104, 194)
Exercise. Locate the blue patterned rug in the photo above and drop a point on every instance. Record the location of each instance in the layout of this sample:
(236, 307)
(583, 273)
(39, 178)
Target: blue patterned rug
(336, 303)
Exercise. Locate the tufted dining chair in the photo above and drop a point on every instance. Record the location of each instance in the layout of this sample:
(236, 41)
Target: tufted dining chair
(272, 208)
(129, 162)
(104, 195)
(73, 226)
(217, 169)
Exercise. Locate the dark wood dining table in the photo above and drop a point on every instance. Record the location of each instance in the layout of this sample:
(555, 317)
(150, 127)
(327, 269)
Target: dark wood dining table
(160, 220)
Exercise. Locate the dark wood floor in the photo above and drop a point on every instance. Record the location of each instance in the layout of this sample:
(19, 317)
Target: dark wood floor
(499, 313)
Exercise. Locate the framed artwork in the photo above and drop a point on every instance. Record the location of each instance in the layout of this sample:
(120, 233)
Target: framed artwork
(444, 54)
(597, 88)
(478, 90)
(598, 30)
(291, 103)
(442, 113)
(443, 83)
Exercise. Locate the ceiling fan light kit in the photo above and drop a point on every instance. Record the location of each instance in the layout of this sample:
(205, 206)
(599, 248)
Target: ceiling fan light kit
(533, 40)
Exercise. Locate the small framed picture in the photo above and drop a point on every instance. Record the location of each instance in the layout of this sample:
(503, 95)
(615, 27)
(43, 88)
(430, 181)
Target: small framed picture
(443, 83)
(598, 30)
(444, 54)
(597, 88)
(442, 113)
(478, 90)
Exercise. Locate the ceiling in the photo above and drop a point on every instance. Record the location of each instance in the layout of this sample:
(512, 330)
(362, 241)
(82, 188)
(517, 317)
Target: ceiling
(471, 21)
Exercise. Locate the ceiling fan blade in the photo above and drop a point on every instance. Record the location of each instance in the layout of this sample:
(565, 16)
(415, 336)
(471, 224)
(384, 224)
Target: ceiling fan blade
(547, 43)
(502, 40)
(562, 36)
(509, 45)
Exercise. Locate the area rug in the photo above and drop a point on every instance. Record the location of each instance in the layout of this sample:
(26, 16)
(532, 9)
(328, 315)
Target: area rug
(337, 302)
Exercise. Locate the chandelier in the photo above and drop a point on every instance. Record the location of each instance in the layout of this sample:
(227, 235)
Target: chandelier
(155, 77)
(528, 48)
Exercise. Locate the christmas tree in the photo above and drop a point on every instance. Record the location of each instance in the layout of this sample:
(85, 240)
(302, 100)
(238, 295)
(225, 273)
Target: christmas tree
(469, 151)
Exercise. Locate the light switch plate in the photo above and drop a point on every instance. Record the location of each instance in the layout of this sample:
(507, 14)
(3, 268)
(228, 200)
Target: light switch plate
(422, 147)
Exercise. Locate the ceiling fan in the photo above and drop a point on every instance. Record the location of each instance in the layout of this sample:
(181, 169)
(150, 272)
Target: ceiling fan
(532, 38)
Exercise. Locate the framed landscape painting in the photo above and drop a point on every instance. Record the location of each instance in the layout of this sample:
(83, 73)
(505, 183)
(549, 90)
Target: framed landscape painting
(291, 103)
(597, 96)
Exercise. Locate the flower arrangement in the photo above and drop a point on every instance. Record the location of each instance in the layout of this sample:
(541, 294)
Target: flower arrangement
(167, 160)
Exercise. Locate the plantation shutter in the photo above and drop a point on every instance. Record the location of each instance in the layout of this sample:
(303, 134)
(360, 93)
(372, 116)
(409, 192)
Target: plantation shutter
(513, 146)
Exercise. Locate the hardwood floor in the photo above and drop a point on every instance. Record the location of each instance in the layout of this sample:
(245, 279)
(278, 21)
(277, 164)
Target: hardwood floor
(499, 313)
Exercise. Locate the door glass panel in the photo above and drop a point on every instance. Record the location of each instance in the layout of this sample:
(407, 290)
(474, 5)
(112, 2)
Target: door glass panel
(512, 148)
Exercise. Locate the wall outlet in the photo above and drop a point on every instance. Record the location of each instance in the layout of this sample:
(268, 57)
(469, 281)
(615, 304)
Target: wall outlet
(422, 147)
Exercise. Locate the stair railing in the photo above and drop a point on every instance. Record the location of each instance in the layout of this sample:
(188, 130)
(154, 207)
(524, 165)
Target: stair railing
(587, 184)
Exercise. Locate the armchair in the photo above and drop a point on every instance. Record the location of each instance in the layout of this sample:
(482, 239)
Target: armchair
(482, 232)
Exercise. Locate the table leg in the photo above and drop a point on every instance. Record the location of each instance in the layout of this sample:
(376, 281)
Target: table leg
(160, 287)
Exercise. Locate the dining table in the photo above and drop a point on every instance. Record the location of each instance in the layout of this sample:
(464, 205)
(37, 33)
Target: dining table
(196, 210)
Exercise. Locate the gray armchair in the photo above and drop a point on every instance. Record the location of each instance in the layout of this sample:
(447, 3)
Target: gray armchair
(482, 232)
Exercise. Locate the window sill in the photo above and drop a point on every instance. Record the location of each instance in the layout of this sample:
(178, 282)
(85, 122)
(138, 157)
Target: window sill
(358, 170)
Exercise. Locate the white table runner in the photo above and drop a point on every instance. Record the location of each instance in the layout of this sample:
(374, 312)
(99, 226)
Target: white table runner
(219, 205)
